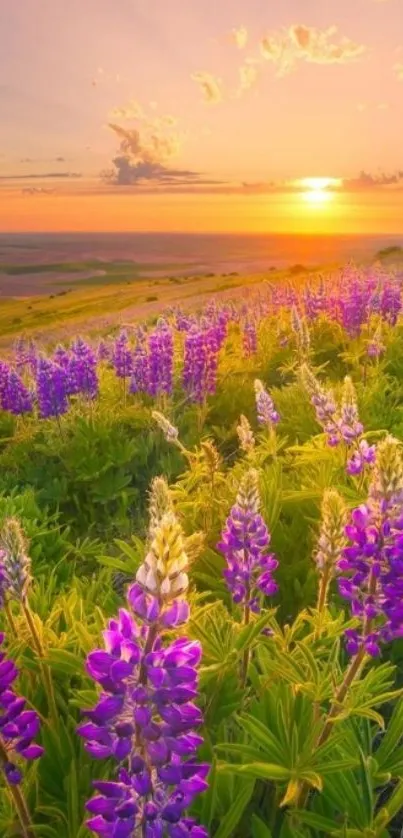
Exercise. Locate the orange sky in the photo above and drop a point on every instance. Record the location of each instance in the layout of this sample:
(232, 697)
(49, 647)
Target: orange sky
(281, 213)
(142, 115)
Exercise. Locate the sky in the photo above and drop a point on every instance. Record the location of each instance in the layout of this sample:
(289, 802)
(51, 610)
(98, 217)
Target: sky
(245, 115)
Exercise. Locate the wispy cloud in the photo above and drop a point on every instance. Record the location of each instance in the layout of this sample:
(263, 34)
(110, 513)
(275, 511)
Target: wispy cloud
(43, 176)
(37, 190)
(398, 68)
(210, 86)
(240, 36)
(285, 48)
(36, 160)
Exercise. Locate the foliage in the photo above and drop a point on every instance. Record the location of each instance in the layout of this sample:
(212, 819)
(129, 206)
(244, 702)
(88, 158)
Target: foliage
(297, 748)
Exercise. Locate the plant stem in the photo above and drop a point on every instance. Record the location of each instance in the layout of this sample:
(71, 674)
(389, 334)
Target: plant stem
(10, 619)
(46, 675)
(245, 661)
(323, 593)
(18, 799)
(353, 672)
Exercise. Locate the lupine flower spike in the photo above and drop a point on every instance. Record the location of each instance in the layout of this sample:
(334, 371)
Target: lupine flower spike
(266, 412)
(14, 560)
(324, 403)
(15, 581)
(245, 435)
(372, 565)
(146, 717)
(244, 543)
(331, 541)
(18, 726)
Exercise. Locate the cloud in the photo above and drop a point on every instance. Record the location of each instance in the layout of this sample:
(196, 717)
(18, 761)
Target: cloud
(43, 176)
(210, 85)
(306, 43)
(37, 190)
(398, 68)
(127, 172)
(133, 110)
(248, 76)
(240, 36)
(152, 147)
(365, 180)
(51, 160)
(143, 155)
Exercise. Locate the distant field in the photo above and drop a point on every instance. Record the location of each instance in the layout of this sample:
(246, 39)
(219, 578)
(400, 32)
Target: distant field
(96, 304)
(21, 280)
(56, 299)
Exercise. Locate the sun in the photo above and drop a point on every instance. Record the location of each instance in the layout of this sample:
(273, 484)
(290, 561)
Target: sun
(317, 196)
(318, 191)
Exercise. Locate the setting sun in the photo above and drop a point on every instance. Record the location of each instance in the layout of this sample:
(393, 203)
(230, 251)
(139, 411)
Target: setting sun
(318, 191)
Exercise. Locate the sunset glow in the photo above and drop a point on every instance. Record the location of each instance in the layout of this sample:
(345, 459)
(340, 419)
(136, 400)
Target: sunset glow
(187, 117)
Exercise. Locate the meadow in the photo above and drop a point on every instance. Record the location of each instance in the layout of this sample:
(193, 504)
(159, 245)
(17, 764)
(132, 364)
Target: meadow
(201, 564)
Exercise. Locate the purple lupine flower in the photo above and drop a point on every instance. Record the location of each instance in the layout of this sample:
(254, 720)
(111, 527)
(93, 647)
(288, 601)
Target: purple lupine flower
(103, 351)
(266, 412)
(51, 388)
(244, 543)
(4, 376)
(122, 356)
(82, 369)
(350, 426)
(140, 370)
(195, 358)
(146, 717)
(391, 301)
(61, 356)
(364, 455)
(201, 355)
(213, 338)
(160, 360)
(249, 338)
(372, 565)
(18, 725)
(15, 396)
(21, 354)
(324, 403)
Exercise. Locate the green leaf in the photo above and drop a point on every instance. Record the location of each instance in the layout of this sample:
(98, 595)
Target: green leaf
(63, 661)
(234, 814)
(259, 770)
(250, 632)
(259, 829)
(317, 822)
(262, 737)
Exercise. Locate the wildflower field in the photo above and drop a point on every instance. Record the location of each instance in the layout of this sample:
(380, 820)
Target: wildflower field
(201, 571)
